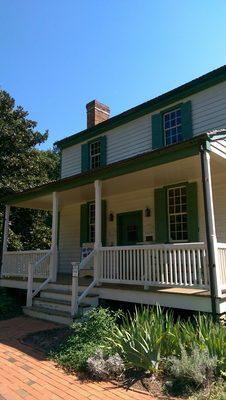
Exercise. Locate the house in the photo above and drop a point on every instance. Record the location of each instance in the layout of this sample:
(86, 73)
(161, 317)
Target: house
(139, 214)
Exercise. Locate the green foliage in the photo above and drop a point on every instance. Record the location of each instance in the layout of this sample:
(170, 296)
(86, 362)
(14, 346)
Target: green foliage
(145, 338)
(191, 370)
(23, 166)
(216, 391)
(87, 335)
(207, 334)
(8, 307)
(102, 366)
(150, 336)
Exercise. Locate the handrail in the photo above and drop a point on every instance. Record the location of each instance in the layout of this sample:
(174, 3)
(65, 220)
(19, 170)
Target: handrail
(24, 251)
(31, 268)
(75, 298)
(156, 246)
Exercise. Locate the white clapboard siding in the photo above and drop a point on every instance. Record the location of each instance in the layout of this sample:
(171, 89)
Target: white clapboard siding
(71, 161)
(135, 137)
(69, 237)
(130, 139)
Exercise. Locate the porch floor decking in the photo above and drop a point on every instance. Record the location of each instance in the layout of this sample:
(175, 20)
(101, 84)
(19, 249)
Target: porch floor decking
(65, 279)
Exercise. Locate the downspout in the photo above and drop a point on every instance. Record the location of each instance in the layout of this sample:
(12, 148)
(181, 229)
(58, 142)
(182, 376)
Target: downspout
(210, 227)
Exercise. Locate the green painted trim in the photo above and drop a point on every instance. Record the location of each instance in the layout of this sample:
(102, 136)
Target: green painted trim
(128, 213)
(203, 82)
(147, 160)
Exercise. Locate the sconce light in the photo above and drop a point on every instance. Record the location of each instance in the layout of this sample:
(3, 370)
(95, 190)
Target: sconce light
(147, 212)
(111, 217)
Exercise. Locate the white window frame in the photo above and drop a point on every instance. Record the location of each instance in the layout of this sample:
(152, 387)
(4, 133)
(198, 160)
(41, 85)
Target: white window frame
(95, 155)
(175, 214)
(168, 129)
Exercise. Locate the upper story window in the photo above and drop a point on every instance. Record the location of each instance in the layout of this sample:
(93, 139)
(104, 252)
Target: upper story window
(172, 127)
(94, 154)
(177, 214)
(94, 149)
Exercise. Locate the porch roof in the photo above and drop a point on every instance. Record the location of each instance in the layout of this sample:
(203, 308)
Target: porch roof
(136, 163)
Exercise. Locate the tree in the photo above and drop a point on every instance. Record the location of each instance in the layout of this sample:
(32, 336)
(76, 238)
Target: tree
(23, 166)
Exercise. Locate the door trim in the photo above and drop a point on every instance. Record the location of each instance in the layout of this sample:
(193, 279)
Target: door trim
(128, 213)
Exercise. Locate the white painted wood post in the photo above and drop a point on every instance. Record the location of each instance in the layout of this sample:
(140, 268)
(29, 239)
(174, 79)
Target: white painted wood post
(6, 229)
(211, 219)
(54, 256)
(98, 218)
(30, 285)
(74, 294)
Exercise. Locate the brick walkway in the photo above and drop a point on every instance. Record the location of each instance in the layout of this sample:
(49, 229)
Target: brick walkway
(25, 374)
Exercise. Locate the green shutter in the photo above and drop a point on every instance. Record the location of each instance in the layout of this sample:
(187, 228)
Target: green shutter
(84, 224)
(104, 222)
(161, 223)
(157, 131)
(85, 157)
(192, 204)
(103, 150)
(186, 120)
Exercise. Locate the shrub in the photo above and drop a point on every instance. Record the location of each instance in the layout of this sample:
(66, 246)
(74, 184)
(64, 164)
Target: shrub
(207, 334)
(87, 335)
(103, 367)
(191, 370)
(145, 338)
(9, 308)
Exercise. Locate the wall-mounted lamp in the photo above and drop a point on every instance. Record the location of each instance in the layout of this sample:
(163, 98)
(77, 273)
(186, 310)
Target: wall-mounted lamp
(147, 212)
(111, 217)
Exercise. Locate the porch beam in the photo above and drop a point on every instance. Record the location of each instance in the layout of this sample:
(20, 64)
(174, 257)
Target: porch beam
(54, 257)
(98, 189)
(215, 285)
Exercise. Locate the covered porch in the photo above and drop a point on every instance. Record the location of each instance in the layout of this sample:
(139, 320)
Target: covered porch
(148, 264)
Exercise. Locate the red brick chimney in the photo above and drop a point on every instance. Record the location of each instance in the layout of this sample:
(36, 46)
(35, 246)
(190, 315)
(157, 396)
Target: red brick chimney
(96, 113)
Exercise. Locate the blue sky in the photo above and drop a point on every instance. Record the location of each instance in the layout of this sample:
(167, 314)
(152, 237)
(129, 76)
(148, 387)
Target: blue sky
(58, 55)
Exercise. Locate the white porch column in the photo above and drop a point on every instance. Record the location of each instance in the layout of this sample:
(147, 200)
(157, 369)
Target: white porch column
(5, 233)
(54, 257)
(215, 284)
(98, 187)
(6, 229)
(98, 240)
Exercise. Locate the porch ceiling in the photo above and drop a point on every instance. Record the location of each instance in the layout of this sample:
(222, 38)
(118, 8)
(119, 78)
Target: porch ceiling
(183, 170)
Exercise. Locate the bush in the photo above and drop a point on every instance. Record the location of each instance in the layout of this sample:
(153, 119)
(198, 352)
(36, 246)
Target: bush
(206, 334)
(103, 367)
(8, 307)
(87, 335)
(145, 338)
(191, 371)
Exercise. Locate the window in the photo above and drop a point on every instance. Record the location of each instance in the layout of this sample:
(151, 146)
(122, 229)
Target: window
(95, 154)
(177, 214)
(91, 222)
(172, 127)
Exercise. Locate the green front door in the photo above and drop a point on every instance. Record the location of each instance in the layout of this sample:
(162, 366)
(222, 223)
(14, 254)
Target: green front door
(129, 228)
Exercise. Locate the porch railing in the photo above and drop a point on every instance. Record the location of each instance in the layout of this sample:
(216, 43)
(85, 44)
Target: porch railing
(222, 264)
(15, 263)
(159, 264)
